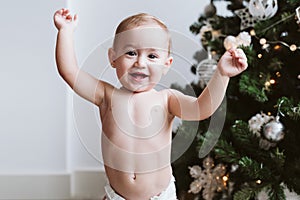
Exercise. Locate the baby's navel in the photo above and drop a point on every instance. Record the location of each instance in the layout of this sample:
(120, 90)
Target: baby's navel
(134, 176)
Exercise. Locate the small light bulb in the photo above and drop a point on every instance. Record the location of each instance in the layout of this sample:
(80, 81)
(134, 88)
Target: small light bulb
(252, 32)
(293, 47)
(262, 41)
(277, 47)
(272, 81)
(225, 178)
(278, 74)
(258, 181)
(259, 55)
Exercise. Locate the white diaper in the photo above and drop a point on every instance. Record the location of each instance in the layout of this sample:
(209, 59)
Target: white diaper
(168, 194)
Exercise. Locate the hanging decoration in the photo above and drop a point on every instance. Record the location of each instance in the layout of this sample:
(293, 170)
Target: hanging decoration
(263, 9)
(247, 20)
(210, 10)
(243, 39)
(270, 126)
(211, 179)
(273, 130)
(206, 68)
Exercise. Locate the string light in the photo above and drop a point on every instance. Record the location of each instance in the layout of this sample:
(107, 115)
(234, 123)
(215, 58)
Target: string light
(277, 47)
(293, 47)
(258, 181)
(265, 43)
(272, 81)
(225, 178)
(262, 41)
(278, 74)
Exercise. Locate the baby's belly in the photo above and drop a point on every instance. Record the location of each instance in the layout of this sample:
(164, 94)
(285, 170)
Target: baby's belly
(133, 186)
(130, 155)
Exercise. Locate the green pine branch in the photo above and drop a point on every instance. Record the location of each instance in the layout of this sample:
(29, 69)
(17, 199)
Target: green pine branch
(254, 169)
(253, 87)
(276, 192)
(288, 108)
(246, 193)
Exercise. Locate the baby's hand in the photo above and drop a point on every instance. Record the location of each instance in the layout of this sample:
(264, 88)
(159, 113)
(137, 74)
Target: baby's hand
(63, 19)
(233, 62)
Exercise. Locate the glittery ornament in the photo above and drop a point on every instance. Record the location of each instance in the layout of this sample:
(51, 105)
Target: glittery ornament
(263, 9)
(210, 179)
(206, 68)
(273, 130)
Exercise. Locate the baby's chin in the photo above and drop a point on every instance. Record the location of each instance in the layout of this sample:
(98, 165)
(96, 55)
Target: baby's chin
(139, 89)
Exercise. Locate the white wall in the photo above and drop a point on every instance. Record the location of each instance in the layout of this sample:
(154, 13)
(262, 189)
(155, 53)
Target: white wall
(32, 108)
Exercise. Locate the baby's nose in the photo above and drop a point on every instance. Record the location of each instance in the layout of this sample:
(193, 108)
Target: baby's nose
(140, 62)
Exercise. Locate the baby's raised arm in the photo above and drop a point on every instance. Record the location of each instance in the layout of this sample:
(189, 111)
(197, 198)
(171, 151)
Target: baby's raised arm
(81, 82)
(232, 63)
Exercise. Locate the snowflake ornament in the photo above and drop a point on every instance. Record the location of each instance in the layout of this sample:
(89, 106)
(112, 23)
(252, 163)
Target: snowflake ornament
(210, 179)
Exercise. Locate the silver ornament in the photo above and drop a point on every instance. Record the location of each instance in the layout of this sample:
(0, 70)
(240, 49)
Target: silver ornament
(210, 10)
(273, 130)
(206, 68)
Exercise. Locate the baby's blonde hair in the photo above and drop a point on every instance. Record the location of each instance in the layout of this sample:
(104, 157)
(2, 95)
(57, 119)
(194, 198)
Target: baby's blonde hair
(139, 20)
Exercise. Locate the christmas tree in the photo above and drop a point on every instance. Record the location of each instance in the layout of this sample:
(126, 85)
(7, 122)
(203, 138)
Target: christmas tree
(258, 152)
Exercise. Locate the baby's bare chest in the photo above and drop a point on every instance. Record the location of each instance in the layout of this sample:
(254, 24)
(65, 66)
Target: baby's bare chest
(137, 115)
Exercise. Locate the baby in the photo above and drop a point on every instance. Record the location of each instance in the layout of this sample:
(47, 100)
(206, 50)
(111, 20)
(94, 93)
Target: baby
(136, 118)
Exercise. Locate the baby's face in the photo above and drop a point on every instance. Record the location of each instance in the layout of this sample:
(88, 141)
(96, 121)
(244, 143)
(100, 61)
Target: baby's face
(140, 57)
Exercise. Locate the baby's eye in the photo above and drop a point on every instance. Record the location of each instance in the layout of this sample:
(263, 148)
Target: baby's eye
(152, 56)
(131, 53)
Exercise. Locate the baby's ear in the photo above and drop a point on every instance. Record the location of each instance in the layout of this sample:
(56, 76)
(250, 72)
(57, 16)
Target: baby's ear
(168, 64)
(111, 56)
(169, 61)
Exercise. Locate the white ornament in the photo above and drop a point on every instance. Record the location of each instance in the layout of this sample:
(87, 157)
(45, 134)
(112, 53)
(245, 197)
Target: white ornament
(256, 122)
(263, 9)
(274, 130)
(230, 42)
(243, 39)
(206, 69)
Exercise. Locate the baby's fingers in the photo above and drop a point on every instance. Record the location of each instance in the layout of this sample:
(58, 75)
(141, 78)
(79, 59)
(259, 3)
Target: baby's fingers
(242, 63)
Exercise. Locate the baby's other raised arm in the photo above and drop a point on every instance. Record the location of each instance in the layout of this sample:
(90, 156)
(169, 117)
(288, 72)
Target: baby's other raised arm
(232, 63)
(81, 82)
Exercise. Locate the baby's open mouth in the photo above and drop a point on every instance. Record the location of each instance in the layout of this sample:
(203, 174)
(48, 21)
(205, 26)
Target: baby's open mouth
(138, 75)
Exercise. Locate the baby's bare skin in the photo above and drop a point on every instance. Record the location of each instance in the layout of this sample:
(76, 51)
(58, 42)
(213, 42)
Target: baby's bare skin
(137, 119)
(136, 162)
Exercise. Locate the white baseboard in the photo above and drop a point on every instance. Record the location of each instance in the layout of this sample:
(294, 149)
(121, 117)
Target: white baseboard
(35, 186)
(80, 184)
(88, 184)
